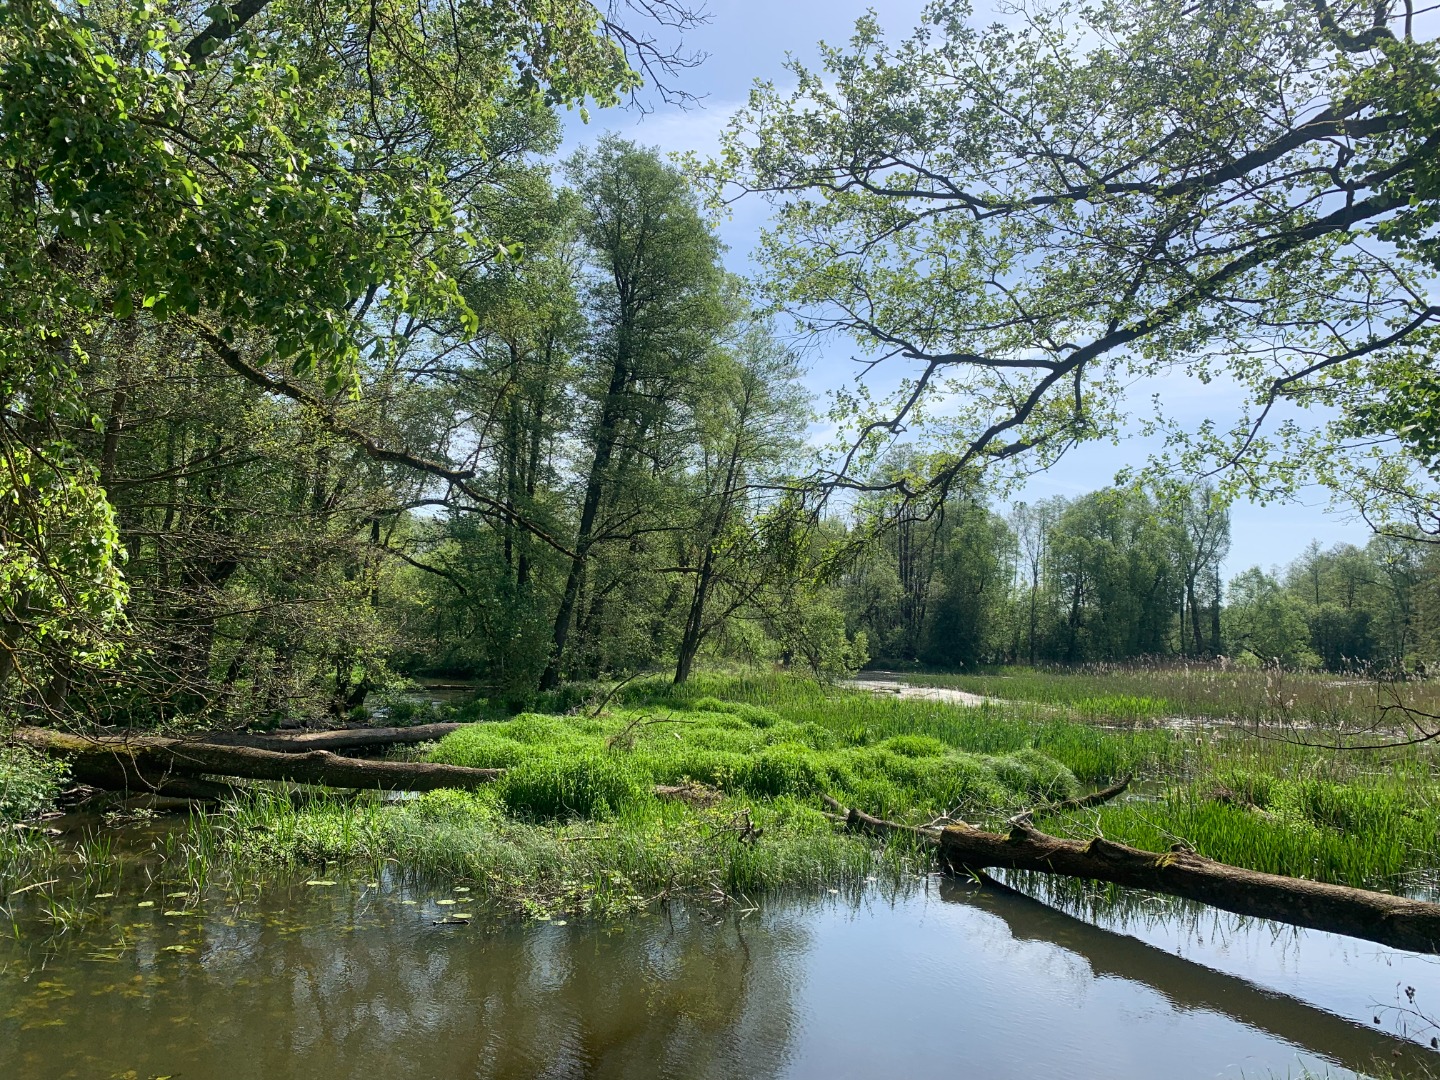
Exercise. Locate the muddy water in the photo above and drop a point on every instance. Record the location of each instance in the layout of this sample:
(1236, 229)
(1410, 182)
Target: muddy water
(350, 980)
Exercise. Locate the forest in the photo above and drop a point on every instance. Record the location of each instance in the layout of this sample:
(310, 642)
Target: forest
(409, 488)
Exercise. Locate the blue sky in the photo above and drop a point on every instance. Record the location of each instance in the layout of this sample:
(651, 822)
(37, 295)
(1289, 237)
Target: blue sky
(747, 40)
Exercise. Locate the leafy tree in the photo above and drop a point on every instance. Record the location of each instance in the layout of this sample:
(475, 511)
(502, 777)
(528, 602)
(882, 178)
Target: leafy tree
(1032, 217)
(658, 306)
(1264, 622)
(259, 182)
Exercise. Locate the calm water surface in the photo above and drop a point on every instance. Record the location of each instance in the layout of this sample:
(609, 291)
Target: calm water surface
(946, 980)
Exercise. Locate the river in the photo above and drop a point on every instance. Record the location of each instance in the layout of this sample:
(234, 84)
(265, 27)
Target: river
(943, 978)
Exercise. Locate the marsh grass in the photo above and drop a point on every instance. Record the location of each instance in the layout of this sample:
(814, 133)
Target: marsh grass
(578, 866)
(576, 824)
(1201, 689)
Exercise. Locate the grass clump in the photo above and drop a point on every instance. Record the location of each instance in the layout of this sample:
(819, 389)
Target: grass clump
(593, 767)
(551, 786)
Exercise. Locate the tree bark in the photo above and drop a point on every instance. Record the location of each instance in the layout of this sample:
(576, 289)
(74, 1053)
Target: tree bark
(340, 739)
(1390, 920)
(144, 764)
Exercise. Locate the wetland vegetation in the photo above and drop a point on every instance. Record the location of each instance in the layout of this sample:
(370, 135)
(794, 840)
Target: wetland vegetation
(349, 380)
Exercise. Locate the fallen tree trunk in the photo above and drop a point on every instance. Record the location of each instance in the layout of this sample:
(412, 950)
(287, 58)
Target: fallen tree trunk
(147, 763)
(1390, 920)
(1396, 921)
(339, 739)
(1095, 798)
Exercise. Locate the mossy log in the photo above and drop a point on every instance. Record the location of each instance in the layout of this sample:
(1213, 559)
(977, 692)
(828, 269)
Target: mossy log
(338, 739)
(1396, 921)
(146, 763)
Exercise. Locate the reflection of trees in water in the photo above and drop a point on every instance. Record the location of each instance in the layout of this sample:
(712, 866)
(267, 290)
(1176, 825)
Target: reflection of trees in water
(1185, 984)
(292, 991)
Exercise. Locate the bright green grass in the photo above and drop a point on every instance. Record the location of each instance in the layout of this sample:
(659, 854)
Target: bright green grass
(576, 824)
(1369, 835)
(561, 767)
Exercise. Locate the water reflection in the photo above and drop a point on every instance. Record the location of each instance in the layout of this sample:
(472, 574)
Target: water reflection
(949, 980)
(1186, 985)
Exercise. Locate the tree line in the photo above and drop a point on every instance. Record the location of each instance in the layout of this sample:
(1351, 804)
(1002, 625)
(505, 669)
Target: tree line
(616, 423)
(1130, 573)
(316, 366)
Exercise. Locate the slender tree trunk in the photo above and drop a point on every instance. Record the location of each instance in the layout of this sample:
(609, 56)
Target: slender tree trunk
(606, 436)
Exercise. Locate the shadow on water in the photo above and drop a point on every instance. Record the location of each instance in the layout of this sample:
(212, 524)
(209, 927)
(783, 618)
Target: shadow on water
(1188, 986)
(362, 978)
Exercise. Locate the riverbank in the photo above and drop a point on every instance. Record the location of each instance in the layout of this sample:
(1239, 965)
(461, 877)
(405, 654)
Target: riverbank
(714, 791)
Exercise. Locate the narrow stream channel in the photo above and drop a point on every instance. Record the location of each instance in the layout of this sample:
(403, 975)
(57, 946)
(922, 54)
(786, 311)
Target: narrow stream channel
(946, 979)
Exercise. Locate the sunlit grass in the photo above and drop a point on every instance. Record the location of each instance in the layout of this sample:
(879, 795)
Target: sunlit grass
(576, 823)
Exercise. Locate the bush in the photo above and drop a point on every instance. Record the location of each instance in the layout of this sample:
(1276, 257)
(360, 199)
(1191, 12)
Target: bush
(29, 782)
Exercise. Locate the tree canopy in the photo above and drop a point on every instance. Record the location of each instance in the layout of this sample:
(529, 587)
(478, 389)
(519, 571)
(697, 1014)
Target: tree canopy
(1026, 219)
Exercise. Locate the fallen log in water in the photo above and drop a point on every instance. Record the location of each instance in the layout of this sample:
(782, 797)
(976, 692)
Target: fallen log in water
(338, 739)
(1384, 918)
(147, 763)
(1372, 916)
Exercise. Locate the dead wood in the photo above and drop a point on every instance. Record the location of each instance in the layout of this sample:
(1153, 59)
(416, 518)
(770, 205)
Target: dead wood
(1095, 798)
(338, 739)
(693, 793)
(854, 818)
(1396, 921)
(148, 763)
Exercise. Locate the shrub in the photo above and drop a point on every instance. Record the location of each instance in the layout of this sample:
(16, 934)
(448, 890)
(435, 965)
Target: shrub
(29, 782)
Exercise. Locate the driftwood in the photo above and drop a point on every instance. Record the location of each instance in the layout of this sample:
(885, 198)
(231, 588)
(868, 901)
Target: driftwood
(339, 739)
(1095, 798)
(150, 763)
(1391, 920)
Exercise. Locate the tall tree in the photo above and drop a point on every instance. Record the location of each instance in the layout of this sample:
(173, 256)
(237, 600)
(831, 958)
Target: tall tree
(659, 303)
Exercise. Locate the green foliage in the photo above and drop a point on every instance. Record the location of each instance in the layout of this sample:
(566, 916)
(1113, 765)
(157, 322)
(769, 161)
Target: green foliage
(986, 203)
(1266, 622)
(797, 750)
(29, 782)
(560, 786)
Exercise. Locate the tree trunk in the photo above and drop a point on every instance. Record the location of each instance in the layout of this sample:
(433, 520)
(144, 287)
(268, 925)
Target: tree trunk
(144, 763)
(1390, 920)
(342, 739)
